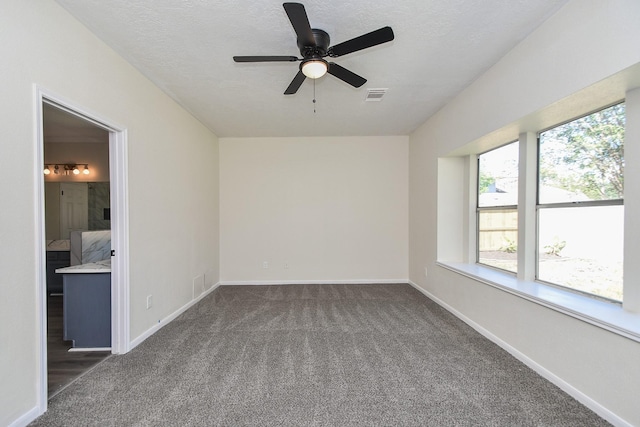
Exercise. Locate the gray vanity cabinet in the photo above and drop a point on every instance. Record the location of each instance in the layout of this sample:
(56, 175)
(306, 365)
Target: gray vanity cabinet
(56, 259)
(87, 309)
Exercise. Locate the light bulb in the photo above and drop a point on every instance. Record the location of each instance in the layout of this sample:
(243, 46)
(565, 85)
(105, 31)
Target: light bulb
(86, 170)
(47, 171)
(56, 170)
(76, 171)
(314, 69)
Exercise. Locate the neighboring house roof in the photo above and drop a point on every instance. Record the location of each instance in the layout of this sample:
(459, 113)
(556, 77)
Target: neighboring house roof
(506, 195)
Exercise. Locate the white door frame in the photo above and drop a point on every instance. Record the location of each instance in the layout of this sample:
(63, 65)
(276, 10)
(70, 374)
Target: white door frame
(118, 175)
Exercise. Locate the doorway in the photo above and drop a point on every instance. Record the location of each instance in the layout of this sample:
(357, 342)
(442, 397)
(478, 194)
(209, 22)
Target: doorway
(81, 186)
(77, 191)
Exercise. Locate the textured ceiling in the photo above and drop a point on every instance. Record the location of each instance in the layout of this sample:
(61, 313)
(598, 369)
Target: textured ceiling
(186, 48)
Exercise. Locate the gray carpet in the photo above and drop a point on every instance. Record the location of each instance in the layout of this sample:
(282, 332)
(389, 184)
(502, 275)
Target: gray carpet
(319, 355)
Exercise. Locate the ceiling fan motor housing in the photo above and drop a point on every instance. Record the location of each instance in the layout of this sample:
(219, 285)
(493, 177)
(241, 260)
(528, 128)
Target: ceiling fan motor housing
(320, 49)
(314, 47)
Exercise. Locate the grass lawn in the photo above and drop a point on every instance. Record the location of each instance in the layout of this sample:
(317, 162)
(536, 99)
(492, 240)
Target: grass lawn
(598, 277)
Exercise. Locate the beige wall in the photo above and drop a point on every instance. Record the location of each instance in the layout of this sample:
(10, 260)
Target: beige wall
(173, 181)
(331, 209)
(561, 70)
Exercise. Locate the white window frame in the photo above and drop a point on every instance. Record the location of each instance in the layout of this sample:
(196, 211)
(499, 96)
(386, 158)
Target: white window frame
(480, 209)
(622, 319)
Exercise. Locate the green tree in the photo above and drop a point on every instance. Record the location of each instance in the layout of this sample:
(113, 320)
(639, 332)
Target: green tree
(586, 155)
(484, 181)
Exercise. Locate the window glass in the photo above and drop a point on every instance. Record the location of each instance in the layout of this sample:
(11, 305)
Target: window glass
(498, 177)
(498, 238)
(581, 248)
(497, 208)
(580, 211)
(583, 160)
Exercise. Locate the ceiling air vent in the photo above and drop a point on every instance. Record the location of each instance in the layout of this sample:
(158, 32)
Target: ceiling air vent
(375, 94)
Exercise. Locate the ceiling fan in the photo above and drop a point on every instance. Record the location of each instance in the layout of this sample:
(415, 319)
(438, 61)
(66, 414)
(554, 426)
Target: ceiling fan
(314, 47)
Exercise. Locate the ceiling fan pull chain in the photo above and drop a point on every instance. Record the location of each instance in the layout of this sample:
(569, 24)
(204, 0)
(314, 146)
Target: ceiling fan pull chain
(314, 96)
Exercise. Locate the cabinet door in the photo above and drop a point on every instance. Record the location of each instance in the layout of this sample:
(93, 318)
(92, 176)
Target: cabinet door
(87, 309)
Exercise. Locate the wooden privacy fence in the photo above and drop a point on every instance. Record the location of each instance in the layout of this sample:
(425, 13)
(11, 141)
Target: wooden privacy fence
(497, 228)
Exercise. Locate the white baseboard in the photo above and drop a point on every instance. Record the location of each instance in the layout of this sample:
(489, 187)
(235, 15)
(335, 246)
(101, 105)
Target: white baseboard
(27, 418)
(155, 328)
(542, 371)
(80, 349)
(314, 282)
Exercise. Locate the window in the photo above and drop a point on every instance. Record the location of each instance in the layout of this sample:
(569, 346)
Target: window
(580, 209)
(572, 220)
(580, 203)
(497, 214)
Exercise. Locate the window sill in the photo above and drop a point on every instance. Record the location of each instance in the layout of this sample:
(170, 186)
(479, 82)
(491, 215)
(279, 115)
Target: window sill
(606, 315)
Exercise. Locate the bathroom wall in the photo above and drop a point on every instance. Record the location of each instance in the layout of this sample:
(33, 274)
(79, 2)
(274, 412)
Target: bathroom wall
(98, 201)
(96, 155)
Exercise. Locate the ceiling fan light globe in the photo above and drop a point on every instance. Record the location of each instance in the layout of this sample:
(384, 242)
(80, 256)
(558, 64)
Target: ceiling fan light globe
(314, 69)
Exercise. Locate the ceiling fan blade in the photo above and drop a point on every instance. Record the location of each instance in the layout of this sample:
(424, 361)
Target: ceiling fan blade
(295, 83)
(374, 38)
(345, 75)
(265, 58)
(298, 17)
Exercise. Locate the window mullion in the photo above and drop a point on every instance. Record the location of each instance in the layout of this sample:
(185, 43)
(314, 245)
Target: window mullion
(527, 171)
(471, 225)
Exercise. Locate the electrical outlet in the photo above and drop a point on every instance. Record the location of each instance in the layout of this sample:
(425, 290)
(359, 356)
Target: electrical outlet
(265, 264)
(286, 265)
(149, 301)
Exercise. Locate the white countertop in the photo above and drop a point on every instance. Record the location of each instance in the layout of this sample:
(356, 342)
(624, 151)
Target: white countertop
(58, 245)
(92, 267)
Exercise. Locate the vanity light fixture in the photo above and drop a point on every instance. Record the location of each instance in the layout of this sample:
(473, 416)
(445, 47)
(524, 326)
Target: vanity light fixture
(67, 168)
